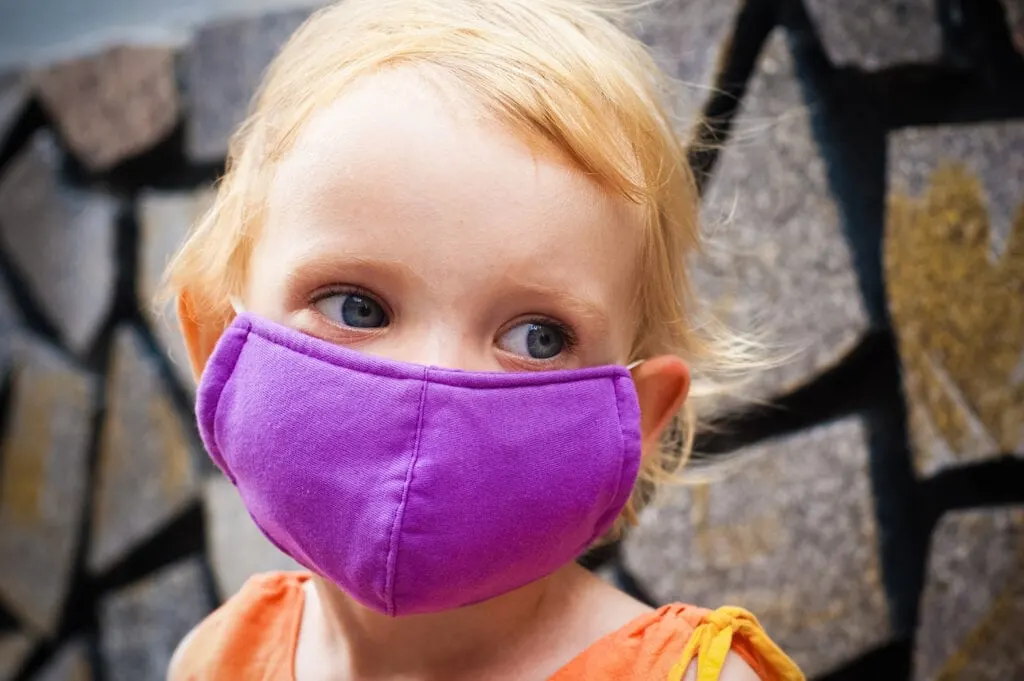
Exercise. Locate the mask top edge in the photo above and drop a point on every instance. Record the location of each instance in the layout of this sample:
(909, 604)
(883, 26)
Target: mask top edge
(337, 355)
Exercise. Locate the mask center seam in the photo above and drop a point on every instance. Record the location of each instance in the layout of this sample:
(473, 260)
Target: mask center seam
(396, 525)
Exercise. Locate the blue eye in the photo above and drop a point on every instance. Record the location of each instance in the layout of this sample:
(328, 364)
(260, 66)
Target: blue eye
(357, 310)
(534, 340)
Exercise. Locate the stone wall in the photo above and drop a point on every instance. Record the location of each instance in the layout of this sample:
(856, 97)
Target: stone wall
(863, 170)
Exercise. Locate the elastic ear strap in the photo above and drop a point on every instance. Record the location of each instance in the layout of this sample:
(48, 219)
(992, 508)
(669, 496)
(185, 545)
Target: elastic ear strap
(634, 365)
(236, 304)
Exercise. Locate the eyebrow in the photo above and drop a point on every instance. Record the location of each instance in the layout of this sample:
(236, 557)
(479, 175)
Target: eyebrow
(315, 263)
(580, 307)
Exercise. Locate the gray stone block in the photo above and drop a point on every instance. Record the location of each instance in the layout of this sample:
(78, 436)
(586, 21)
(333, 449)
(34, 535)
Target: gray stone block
(688, 39)
(777, 265)
(143, 624)
(873, 35)
(789, 534)
(112, 105)
(70, 663)
(10, 320)
(164, 221)
(61, 241)
(13, 96)
(972, 610)
(1015, 19)
(954, 268)
(45, 471)
(223, 68)
(14, 648)
(146, 470)
(238, 549)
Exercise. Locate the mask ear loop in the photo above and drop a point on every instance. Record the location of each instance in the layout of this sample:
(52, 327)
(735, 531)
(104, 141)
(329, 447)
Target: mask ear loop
(634, 365)
(236, 305)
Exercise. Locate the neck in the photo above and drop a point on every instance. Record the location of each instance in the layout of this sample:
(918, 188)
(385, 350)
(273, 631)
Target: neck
(440, 645)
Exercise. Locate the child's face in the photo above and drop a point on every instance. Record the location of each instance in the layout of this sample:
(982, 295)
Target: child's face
(406, 225)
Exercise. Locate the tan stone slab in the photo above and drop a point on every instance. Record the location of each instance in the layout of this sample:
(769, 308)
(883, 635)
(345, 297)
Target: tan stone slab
(141, 625)
(972, 609)
(71, 663)
(146, 472)
(112, 105)
(777, 265)
(954, 268)
(45, 468)
(62, 241)
(874, 35)
(790, 535)
(164, 220)
(14, 648)
(236, 546)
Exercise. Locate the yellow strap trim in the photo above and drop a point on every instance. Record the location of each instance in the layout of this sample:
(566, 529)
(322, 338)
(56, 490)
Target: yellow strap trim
(712, 641)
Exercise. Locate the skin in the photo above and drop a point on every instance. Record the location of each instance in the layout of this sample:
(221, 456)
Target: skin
(412, 199)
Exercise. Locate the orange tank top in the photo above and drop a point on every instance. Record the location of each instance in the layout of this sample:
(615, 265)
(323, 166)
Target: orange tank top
(254, 636)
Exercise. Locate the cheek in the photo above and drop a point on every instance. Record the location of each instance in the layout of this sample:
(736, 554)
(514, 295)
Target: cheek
(266, 286)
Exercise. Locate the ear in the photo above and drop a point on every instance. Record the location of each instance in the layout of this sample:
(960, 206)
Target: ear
(201, 330)
(662, 384)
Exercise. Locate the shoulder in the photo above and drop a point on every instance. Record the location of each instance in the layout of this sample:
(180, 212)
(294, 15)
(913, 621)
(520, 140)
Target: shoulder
(176, 670)
(266, 608)
(680, 642)
(729, 644)
(735, 668)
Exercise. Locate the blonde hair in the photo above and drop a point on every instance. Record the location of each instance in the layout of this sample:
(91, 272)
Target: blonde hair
(561, 72)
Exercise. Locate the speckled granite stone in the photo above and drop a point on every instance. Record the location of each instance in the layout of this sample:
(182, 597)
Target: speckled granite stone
(146, 473)
(954, 265)
(777, 265)
(687, 38)
(164, 221)
(873, 35)
(789, 534)
(111, 105)
(223, 67)
(61, 241)
(13, 96)
(142, 624)
(972, 612)
(14, 647)
(70, 663)
(45, 469)
(10, 320)
(1015, 18)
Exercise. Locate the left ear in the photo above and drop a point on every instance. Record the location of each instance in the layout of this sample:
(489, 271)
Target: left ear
(662, 384)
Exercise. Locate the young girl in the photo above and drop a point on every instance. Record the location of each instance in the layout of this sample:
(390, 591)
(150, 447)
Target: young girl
(441, 318)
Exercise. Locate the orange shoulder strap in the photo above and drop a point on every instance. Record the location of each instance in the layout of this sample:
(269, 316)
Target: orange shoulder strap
(733, 629)
(661, 645)
(253, 635)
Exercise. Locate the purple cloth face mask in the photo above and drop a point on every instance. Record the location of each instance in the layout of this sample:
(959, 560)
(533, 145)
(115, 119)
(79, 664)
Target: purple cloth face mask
(417, 489)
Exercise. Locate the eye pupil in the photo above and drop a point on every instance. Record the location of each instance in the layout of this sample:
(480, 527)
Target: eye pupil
(544, 342)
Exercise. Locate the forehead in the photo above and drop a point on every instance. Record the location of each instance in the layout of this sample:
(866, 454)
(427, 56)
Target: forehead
(400, 169)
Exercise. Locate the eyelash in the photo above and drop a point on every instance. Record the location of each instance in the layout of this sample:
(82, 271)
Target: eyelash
(349, 290)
